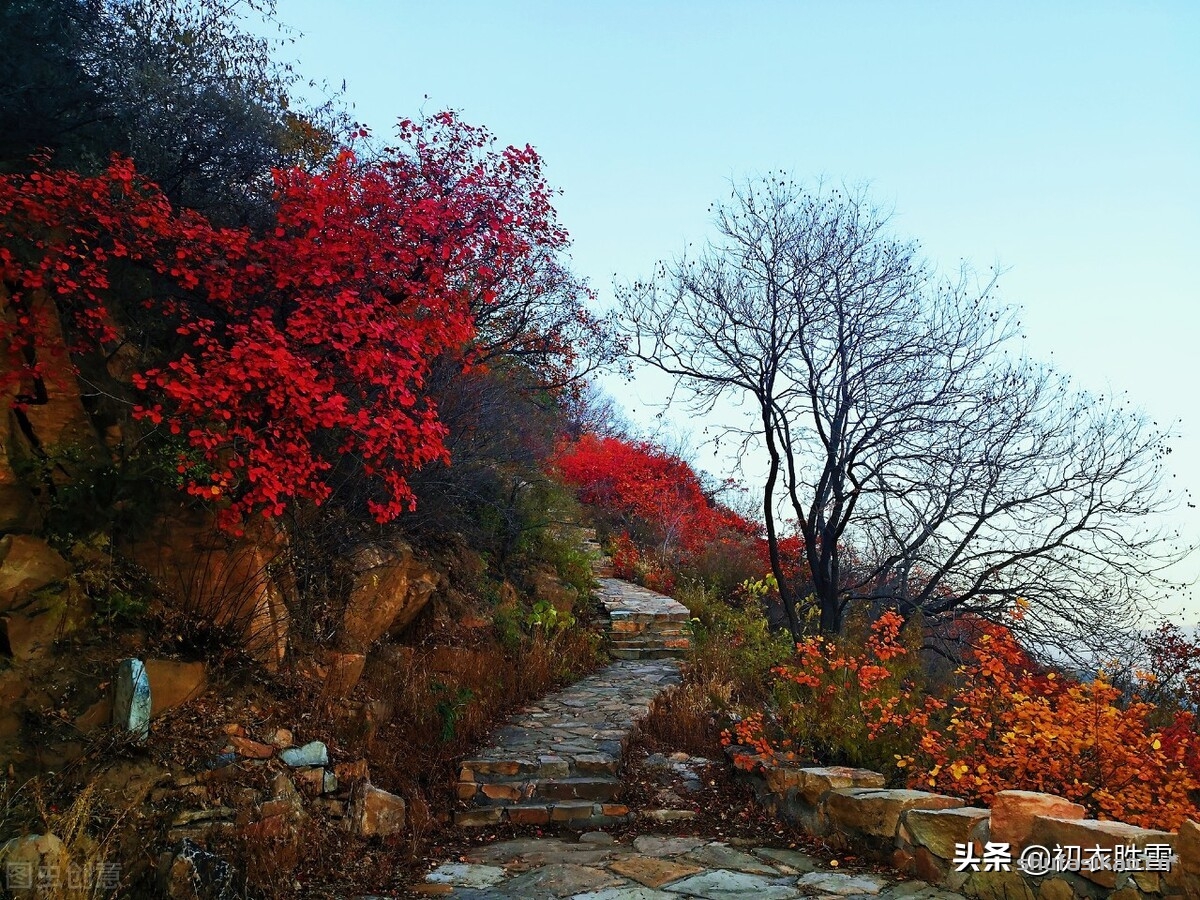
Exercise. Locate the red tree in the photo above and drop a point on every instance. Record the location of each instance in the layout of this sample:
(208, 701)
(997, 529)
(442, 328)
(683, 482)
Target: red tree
(649, 489)
(303, 344)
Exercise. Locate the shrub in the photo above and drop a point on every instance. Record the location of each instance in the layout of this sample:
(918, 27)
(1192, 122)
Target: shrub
(830, 698)
(1010, 726)
(733, 651)
(1004, 723)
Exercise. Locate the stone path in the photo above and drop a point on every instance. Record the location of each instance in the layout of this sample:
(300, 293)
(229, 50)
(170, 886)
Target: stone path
(643, 624)
(655, 867)
(559, 760)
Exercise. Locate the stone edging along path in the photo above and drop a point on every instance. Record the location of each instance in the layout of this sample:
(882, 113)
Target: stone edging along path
(925, 835)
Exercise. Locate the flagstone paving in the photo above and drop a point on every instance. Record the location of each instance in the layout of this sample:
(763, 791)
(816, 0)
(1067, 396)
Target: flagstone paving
(656, 867)
(559, 760)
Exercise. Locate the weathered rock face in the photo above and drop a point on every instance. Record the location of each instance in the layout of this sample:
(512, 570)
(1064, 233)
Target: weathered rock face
(27, 564)
(390, 589)
(173, 683)
(17, 508)
(223, 579)
(52, 423)
(343, 670)
(30, 633)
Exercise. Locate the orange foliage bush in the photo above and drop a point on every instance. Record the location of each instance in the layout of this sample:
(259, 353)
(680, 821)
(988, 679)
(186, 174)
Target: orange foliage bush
(1006, 723)
(829, 702)
(1010, 726)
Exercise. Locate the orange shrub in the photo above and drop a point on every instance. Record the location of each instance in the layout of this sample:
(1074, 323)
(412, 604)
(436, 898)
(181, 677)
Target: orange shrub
(1006, 723)
(1011, 727)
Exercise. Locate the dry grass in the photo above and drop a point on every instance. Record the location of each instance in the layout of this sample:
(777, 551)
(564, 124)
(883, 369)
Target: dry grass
(684, 718)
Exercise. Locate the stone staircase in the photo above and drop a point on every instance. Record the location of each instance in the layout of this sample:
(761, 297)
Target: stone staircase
(643, 624)
(559, 760)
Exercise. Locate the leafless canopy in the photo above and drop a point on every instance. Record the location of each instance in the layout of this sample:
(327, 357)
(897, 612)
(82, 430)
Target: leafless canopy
(926, 466)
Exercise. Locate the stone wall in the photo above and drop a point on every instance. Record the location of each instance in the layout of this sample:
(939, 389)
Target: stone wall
(923, 834)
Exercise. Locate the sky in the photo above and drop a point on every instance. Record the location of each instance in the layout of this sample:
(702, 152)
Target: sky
(1060, 141)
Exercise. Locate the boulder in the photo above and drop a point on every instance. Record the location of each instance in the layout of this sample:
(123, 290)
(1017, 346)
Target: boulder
(22, 858)
(131, 699)
(375, 812)
(173, 683)
(1094, 833)
(813, 783)
(314, 753)
(351, 772)
(1013, 813)
(342, 673)
(194, 873)
(311, 781)
(390, 589)
(31, 633)
(249, 749)
(27, 564)
(939, 830)
(99, 713)
(877, 812)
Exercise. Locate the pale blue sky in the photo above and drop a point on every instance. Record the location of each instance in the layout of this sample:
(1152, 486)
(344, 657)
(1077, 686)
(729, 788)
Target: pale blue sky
(1060, 139)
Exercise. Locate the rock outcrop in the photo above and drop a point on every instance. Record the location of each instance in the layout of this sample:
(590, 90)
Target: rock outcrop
(220, 578)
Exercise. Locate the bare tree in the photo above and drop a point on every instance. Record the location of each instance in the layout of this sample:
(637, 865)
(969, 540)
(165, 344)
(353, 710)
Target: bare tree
(925, 466)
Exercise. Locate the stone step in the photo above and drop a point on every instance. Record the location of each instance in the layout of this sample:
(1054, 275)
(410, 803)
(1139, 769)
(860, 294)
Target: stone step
(559, 759)
(617, 653)
(649, 618)
(491, 770)
(551, 791)
(680, 643)
(573, 813)
(670, 629)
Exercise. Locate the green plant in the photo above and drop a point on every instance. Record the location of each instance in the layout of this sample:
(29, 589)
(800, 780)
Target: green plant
(733, 649)
(450, 708)
(544, 615)
(506, 622)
